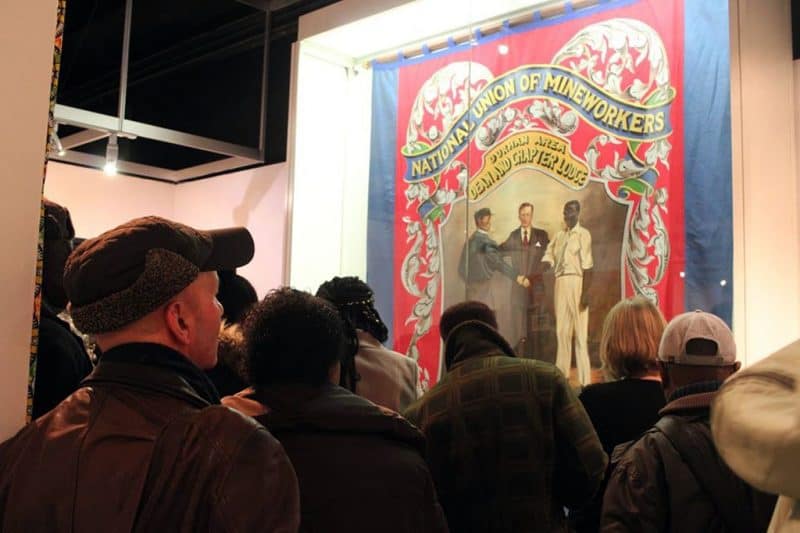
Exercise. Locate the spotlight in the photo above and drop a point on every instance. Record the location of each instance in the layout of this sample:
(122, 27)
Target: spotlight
(56, 144)
(112, 154)
(502, 49)
(59, 147)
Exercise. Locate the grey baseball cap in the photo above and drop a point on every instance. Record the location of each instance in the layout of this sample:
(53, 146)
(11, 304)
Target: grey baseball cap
(697, 325)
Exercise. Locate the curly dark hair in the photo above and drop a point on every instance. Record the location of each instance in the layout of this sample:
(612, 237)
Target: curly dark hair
(463, 311)
(292, 337)
(356, 302)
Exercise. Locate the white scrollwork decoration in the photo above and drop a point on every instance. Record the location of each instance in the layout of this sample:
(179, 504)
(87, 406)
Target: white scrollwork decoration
(640, 239)
(605, 52)
(443, 98)
(620, 45)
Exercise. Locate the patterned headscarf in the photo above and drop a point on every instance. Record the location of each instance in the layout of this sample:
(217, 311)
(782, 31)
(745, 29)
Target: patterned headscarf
(356, 303)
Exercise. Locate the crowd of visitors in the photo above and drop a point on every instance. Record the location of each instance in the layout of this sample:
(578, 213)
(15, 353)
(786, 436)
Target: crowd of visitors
(197, 407)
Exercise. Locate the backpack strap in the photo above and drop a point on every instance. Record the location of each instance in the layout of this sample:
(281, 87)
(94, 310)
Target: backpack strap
(701, 457)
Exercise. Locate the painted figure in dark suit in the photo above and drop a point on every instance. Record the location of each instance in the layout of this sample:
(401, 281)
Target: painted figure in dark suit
(526, 246)
(481, 258)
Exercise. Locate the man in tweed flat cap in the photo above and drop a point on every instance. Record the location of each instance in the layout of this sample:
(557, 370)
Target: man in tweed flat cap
(144, 445)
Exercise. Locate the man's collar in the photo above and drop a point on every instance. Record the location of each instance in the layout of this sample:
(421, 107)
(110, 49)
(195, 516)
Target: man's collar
(366, 339)
(573, 228)
(691, 397)
(48, 310)
(154, 363)
(474, 338)
(694, 388)
(479, 230)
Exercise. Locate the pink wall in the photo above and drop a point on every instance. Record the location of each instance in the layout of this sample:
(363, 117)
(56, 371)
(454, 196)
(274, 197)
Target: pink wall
(98, 202)
(253, 198)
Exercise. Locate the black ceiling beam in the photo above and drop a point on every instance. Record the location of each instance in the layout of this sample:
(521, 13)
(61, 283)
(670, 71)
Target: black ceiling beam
(286, 12)
(277, 5)
(241, 35)
(263, 5)
(227, 40)
(280, 5)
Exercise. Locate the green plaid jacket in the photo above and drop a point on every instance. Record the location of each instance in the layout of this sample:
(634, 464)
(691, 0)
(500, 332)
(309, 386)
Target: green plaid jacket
(509, 444)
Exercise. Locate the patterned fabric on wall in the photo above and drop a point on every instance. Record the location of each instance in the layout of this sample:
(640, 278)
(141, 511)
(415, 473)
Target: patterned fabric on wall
(622, 107)
(50, 145)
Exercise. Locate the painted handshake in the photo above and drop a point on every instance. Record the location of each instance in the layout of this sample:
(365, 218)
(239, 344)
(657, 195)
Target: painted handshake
(522, 280)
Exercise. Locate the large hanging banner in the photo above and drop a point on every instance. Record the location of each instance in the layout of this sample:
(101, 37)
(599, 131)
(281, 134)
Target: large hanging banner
(509, 168)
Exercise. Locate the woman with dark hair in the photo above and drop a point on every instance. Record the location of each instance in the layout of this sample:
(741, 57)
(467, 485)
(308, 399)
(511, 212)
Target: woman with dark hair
(378, 374)
(627, 404)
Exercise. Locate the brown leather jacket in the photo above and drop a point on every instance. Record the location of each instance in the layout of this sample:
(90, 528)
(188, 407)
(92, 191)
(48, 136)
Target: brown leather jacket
(140, 447)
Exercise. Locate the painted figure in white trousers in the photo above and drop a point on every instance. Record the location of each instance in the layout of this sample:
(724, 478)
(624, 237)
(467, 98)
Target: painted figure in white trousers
(570, 256)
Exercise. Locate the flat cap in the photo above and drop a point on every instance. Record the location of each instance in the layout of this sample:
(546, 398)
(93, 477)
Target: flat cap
(127, 272)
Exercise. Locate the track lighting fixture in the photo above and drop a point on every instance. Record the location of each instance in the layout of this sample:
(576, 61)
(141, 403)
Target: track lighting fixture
(59, 147)
(112, 154)
(55, 143)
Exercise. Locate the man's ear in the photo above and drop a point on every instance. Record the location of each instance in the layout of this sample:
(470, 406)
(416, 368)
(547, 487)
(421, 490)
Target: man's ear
(174, 316)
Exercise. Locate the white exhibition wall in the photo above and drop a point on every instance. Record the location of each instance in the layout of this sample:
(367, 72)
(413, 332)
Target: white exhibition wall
(330, 172)
(27, 33)
(254, 198)
(766, 190)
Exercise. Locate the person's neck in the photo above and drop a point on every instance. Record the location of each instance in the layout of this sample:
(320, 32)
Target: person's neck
(109, 341)
(166, 358)
(686, 389)
(334, 373)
